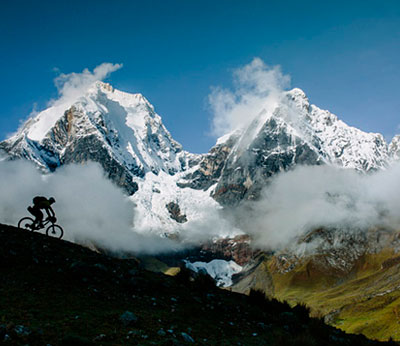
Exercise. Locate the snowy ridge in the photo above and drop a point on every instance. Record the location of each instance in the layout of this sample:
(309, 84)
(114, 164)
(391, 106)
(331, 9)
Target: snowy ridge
(343, 145)
(332, 140)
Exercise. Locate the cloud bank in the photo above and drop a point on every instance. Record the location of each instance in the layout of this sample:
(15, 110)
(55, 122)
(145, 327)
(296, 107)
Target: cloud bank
(93, 211)
(257, 88)
(311, 197)
(88, 206)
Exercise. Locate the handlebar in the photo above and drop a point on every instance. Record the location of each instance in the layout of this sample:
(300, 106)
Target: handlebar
(52, 219)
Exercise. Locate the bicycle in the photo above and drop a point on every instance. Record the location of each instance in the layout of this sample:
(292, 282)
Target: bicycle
(53, 230)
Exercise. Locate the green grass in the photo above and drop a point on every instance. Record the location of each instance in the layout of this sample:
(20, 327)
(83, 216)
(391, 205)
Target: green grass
(360, 311)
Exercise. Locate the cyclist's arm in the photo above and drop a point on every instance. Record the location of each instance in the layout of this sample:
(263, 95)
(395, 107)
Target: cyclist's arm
(50, 212)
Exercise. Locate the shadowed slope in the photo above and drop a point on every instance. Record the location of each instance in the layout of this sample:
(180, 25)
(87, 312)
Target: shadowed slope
(56, 292)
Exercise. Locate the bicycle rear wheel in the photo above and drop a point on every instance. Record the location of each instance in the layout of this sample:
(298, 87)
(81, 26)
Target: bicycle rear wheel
(26, 223)
(54, 231)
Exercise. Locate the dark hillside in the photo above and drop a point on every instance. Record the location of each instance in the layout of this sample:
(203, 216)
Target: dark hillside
(58, 293)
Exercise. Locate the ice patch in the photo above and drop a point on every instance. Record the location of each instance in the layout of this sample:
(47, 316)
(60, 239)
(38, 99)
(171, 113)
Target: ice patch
(220, 270)
(202, 211)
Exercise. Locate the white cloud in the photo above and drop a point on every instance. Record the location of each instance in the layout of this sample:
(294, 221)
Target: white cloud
(72, 85)
(88, 206)
(257, 88)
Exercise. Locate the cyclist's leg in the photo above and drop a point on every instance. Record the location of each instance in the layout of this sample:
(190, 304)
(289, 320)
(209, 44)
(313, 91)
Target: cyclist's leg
(36, 212)
(40, 218)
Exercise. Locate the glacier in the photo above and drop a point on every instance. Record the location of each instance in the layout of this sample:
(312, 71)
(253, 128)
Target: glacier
(220, 270)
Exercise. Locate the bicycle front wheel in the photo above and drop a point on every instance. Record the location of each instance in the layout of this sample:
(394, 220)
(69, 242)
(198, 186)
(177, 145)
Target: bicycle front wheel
(26, 223)
(55, 231)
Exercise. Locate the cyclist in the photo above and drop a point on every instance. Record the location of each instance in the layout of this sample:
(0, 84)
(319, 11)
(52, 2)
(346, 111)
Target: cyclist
(40, 203)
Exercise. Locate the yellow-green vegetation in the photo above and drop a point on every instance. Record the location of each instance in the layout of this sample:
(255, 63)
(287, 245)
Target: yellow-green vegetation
(172, 271)
(376, 318)
(155, 265)
(365, 300)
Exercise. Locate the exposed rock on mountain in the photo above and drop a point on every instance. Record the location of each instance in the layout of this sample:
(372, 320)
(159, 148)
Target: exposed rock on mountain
(208, 171)
(175, 212)
(394, 147)
(237, 249)
(123, 133)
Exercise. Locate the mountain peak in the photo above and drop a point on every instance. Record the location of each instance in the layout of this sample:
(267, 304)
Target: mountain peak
(298, 98)
(298, 93)
(105, 87)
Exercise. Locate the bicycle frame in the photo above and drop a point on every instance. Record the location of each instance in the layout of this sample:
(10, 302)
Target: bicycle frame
(45, 222)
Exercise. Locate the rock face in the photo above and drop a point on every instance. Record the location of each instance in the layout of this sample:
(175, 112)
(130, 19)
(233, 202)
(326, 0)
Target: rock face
(175, 212)
(208, 170)
(255, 275)
(394, 147)
(237, 249)
(273, 150)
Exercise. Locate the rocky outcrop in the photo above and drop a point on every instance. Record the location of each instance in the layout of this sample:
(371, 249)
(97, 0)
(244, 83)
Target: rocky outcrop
(254, 276)
(273, 150)
(394, 147)
(209, 168)
(175, 212)
(237, 249)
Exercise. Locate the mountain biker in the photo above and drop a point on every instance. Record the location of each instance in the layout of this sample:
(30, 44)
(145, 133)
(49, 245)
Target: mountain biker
(39, 203)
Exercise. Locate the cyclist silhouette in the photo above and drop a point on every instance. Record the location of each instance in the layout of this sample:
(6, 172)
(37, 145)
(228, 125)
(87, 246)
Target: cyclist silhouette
(42, 203)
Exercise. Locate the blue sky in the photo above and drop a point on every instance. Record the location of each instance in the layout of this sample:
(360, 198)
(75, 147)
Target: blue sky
(344, 54)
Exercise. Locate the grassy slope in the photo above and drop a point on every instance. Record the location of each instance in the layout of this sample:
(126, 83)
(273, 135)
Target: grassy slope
(66, 294)
(367, 301)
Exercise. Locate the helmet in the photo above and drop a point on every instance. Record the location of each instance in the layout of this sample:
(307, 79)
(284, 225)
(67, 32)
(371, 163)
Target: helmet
(52, 200)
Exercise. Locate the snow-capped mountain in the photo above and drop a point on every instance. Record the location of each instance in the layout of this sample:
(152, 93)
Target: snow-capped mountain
(120, 131)
(174, 189)
(296, 132)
